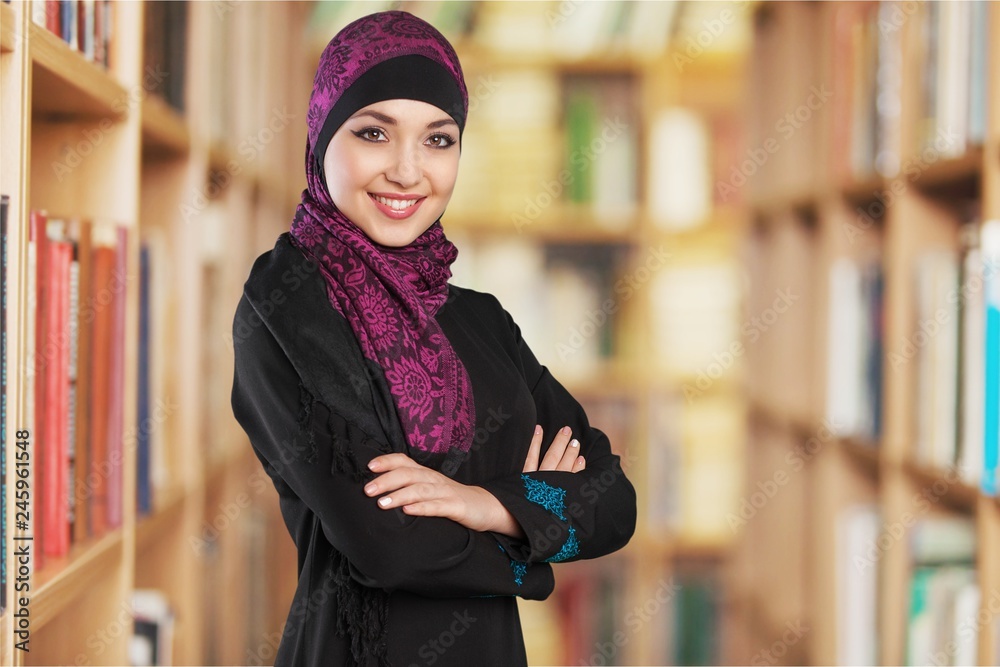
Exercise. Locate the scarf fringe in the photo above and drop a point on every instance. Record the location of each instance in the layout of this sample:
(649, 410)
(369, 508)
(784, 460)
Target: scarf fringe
(362, 612)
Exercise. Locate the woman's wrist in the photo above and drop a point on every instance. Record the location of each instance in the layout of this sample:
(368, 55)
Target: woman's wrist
(503, 521)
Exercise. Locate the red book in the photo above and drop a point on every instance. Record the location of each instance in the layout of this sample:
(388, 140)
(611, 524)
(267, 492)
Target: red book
(100, 375)
(37, 235)
(56, 411)
(116, 398)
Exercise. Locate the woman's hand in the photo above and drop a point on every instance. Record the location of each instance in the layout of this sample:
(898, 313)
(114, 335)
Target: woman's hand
(422, 491)
(563, 453)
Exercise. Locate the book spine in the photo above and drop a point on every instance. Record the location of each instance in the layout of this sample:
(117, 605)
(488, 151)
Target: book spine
(991, 407)
(143, 500)
(4, 203)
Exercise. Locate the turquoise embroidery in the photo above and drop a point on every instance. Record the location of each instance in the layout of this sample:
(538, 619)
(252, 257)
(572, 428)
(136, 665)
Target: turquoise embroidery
(570, 548)
(550, 497)
(519, 570)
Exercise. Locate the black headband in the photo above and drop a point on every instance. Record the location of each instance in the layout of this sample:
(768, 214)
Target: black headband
(411, 77)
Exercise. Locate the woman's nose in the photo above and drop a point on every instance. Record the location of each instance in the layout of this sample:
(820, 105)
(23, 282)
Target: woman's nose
(405, 169)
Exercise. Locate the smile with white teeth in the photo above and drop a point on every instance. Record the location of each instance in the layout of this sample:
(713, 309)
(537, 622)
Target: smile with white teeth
(396, 204)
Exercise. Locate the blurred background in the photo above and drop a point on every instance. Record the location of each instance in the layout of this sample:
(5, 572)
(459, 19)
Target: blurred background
(759, 241)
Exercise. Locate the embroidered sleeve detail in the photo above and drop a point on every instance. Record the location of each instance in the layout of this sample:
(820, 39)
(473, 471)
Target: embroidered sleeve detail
(550, 497)
(570, 548)
(519, 571)
(519, 568)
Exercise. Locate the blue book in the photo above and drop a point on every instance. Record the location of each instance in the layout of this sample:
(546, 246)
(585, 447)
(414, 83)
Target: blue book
(991, 424)
(143, 495)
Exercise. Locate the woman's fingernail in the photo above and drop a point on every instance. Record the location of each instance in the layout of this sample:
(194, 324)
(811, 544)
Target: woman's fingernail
(574, 443)
(384, 501)
(371, 488)
(538, 429)
(579, 459)
(373, 465)
(566, 430)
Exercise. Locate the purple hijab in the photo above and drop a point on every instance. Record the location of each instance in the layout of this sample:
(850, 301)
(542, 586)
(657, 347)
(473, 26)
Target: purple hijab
(390, 296)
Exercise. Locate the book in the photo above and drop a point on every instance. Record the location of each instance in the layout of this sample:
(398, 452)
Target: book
(991, 393)
(934, 342)
(679, 185)
(154, 621)
(969, 457)
(116, 395)
(4, 205)
(143, 424)
(857, 530)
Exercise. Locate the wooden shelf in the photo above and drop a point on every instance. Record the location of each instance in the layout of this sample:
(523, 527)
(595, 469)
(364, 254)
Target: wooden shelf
(63, 580)
(149, 529)
(8, 28)
(958, 494)
(806, 199)
(563, 224)
(65, 84)
(864, 452)
(164, 131)
(864, 190)
(956, 176)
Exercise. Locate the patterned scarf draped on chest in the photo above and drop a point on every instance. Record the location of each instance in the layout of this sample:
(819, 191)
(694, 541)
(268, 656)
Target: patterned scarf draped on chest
(389, 295)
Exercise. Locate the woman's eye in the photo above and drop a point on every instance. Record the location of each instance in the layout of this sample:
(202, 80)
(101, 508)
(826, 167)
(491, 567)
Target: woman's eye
(369, 134)
(441, 140)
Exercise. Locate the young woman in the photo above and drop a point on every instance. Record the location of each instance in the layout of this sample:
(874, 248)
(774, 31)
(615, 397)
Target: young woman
(402, 418)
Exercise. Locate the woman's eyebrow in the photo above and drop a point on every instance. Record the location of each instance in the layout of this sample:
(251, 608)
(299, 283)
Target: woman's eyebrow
(443, 121)
(388, 120)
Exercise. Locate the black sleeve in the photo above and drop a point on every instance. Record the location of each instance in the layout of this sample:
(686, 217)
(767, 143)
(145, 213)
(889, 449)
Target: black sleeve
(387, 549)
(565, 515)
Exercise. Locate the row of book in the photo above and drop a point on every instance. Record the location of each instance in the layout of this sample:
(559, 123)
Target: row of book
(956, 341)
(953, 69)
(165, 50)
(77, 280)
(86, 25)
(565, 30)
(953, 343)
(942, 626)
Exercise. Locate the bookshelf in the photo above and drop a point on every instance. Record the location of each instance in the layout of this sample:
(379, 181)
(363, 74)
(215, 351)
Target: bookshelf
(188, 187)
(847, 213)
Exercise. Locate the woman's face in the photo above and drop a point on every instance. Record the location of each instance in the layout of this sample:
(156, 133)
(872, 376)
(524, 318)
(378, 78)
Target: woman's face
(391, 168)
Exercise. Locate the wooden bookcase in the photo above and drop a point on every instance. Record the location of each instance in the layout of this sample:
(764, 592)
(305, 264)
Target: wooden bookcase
(786, 565)
(150, 163)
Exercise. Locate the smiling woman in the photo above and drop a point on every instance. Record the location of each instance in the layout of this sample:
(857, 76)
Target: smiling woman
(402, 418)
(394, 178)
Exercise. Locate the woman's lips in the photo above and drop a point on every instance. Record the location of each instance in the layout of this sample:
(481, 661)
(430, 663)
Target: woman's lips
(394, 213)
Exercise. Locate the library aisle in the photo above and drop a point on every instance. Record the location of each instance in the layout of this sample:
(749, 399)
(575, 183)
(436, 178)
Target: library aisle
(758, 241)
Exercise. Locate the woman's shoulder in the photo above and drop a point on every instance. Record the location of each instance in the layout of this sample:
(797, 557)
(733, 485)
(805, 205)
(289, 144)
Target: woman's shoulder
(283, 275)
